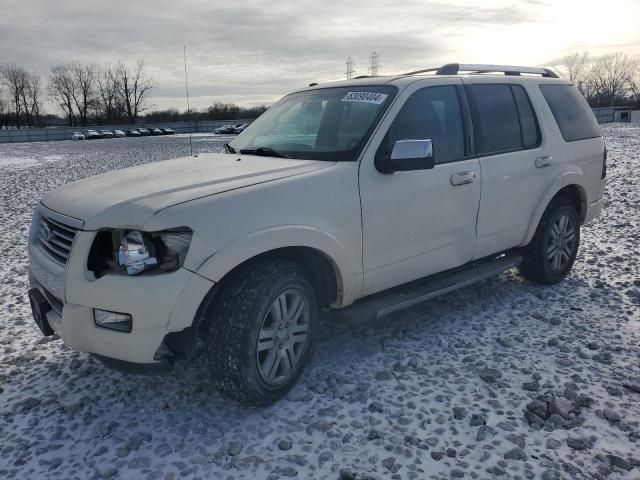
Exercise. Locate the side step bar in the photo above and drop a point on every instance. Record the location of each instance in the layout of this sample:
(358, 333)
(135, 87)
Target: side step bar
(399, 298)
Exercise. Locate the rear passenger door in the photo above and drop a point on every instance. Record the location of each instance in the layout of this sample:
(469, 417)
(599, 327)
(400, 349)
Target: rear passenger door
(516, 168)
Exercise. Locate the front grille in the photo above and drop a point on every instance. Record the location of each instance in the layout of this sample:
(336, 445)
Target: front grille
(56, 238)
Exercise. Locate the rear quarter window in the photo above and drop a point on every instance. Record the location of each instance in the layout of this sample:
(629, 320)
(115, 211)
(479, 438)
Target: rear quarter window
(571, 111)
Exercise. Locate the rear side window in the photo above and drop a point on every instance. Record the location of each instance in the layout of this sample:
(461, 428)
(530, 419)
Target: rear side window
(571, 111)
(528, 121)
(495, 119)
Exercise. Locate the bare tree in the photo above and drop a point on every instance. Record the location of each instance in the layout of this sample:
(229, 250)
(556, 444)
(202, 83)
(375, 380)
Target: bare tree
(3, 110)
(575, 66)
(633, 82)
(62, 90)
(84, 79)
(30, 97)
(133, 86)
(108, 101)
(611, 74)
(13, 77)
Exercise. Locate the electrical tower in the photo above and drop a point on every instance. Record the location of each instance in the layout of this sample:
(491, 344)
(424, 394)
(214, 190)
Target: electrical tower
(350, 72)
(374, 64)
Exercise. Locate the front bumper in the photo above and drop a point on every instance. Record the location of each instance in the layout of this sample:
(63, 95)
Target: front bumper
(158, 304)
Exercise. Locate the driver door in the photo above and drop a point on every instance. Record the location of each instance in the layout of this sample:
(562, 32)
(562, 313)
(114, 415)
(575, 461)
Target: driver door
(417, 223)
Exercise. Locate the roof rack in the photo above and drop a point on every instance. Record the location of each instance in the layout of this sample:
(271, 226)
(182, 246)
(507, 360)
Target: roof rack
(455, 68)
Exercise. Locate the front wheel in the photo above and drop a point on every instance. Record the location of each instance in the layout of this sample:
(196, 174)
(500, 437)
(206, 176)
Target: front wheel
(554, 247)
(259, 330)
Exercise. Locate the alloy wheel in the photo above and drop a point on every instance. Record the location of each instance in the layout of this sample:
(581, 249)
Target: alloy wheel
(283, 337)
(561, 243)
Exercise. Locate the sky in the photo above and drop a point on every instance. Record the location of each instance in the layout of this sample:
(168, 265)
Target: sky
(253, 52)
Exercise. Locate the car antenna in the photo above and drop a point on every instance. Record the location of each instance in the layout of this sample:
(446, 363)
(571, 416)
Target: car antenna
(186, 87)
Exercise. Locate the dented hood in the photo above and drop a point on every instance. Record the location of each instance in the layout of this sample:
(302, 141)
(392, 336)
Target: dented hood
(129, 197)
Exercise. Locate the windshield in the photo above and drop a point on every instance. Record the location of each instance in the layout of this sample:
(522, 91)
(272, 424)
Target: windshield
(322, 124)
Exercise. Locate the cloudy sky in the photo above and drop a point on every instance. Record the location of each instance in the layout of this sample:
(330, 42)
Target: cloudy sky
(253, 52)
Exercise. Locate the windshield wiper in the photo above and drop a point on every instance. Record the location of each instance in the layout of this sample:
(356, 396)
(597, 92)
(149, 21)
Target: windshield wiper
(264, 152)
(229, 149)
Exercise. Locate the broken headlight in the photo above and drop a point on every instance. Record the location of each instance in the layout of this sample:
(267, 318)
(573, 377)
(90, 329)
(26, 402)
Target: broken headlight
(134, 252)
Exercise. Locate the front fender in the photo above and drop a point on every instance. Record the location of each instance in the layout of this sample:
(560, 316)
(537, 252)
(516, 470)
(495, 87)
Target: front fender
(348, 273)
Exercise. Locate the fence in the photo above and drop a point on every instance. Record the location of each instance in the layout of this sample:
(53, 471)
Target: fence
(65, 133)
(604, 114)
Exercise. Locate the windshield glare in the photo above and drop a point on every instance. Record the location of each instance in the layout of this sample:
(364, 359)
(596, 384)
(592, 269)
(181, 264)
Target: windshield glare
(322, 124)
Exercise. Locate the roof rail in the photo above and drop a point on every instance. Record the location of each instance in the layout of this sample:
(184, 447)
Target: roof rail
(455, 68)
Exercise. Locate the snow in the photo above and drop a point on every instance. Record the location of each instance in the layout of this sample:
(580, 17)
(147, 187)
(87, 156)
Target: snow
(403, 396)
(17, 161)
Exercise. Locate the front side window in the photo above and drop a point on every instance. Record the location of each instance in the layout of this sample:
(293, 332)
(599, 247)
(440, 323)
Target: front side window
(321, 124)
(431, 113)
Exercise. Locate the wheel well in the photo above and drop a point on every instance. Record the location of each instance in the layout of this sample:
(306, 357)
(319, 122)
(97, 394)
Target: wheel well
(576, 196)
(321, 270)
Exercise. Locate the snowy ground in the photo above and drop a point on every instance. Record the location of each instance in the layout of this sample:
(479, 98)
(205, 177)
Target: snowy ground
(503, 379)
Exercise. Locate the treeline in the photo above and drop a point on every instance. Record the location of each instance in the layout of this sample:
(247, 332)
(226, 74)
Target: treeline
(85, 93)
(606, 81)
(217, 111)
(91, 94)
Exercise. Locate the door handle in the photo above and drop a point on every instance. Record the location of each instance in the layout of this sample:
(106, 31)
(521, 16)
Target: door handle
(462, 178)
(543, 161)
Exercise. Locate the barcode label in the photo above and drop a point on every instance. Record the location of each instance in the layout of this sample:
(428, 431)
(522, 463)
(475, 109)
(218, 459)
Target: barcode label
(365, 97)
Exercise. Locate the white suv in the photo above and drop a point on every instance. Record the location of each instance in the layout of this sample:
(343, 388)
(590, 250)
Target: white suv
(339, 193)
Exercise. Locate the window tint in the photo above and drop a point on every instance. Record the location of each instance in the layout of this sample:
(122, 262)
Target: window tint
(528, 123)
(431, 113)
(495, 118)
(571, 111)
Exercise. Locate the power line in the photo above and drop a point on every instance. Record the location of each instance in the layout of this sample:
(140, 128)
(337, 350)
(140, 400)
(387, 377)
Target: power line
(374, 64)
(350, 71)
(186, 87)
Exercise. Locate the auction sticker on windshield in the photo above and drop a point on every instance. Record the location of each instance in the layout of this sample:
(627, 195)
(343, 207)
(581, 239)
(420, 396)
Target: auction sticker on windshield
(365, 97)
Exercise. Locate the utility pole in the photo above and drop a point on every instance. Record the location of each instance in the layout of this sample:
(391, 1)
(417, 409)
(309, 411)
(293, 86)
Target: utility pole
(374, 64)
(350, 72)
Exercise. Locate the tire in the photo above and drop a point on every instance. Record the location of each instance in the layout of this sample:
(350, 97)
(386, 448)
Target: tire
(247, 332)
(554, 247)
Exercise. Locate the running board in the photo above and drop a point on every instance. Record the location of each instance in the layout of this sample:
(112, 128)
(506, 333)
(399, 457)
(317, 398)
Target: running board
(399, 298)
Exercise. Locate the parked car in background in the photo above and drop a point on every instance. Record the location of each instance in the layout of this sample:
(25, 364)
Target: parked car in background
(241, 128)
(156, 131)
(144, 131)
(168, 131)
(106, 134)
(91, 135)
(77, 136)
(133, 133)
(118, 133)
(225, 129)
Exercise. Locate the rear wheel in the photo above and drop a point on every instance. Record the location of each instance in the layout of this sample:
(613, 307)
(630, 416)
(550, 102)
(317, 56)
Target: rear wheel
(554, 247)
(260, 329)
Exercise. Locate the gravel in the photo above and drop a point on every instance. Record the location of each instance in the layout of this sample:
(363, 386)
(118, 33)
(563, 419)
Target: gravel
(501, 379)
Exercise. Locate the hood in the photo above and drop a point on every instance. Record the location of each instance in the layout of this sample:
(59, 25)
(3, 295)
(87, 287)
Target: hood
(129, 197)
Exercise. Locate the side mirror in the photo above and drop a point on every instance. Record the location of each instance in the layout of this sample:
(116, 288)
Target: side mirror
(408, 155)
